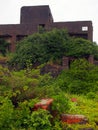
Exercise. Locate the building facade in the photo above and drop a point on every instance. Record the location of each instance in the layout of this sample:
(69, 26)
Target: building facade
(33, 17)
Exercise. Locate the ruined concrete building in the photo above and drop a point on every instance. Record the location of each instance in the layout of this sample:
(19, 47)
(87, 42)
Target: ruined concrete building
(33, 17)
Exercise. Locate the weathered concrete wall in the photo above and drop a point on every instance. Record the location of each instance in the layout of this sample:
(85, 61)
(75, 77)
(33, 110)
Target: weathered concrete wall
(34, 16)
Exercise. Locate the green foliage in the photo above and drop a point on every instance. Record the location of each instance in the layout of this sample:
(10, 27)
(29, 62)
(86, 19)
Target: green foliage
(40, 48)
(22, 117)
(30, 50)
(86, 107)
(22, 114)
(26, 87)
(6, 113)
(78, 47)
(92, 95)
(40, 120)
(3, 46)
(53, 45)
(81, 78)
(23, 84)
(60, 103)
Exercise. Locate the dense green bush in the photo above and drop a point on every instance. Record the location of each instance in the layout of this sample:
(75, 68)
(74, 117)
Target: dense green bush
(81, 78)
(22, 118)
(40, 120)
(79, 47)
(23, 84)
(26, 87)
(53, 45)
(6, 113)
(18, 93)
(60, 103)
(40, 48)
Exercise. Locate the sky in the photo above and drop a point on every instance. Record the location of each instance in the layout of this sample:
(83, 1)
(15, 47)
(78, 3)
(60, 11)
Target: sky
(62, 10)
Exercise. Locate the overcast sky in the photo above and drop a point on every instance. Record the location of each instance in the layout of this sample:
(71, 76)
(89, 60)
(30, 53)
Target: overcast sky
(62, 10)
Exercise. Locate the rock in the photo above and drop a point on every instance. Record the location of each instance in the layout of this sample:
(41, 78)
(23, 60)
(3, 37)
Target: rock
(86, 129)
(43, 104)
(74, 100)
(53, 69)
(73, 119)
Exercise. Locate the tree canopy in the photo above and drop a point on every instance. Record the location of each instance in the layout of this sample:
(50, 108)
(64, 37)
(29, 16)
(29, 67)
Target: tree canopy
(51, 45)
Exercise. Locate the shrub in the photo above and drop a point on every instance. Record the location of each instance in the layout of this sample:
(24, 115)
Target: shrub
(6, 113)
(79, 47)
(81, 78)
(60, 103)
(24, 84)
(91, 95)
(40, 120)
(40, 48)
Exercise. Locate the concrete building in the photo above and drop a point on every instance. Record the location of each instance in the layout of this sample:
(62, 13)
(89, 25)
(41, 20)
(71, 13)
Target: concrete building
(32, 17)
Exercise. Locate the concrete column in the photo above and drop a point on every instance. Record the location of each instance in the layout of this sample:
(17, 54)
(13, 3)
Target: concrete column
(91, 59)
(65, 62)
(13, 43)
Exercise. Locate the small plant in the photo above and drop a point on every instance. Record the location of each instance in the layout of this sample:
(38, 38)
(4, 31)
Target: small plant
(6, 113)
(91, 95)
(60, 103)
(40, 120)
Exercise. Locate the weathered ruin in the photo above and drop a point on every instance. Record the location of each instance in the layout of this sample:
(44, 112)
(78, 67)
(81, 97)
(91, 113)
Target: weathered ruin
(33, 17)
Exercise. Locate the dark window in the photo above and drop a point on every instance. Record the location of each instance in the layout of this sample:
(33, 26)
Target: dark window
(41, 28)
(42, 25)
(20, 37)
(85, 36)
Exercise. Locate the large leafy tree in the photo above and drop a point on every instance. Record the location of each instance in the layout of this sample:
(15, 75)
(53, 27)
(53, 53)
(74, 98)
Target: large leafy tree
(79, 47)
(51, 45)
(41, 47)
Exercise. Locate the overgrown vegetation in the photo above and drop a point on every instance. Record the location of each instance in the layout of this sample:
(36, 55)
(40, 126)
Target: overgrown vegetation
(3, 46)
(53, 45)
(21, 89)
(81, 78)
